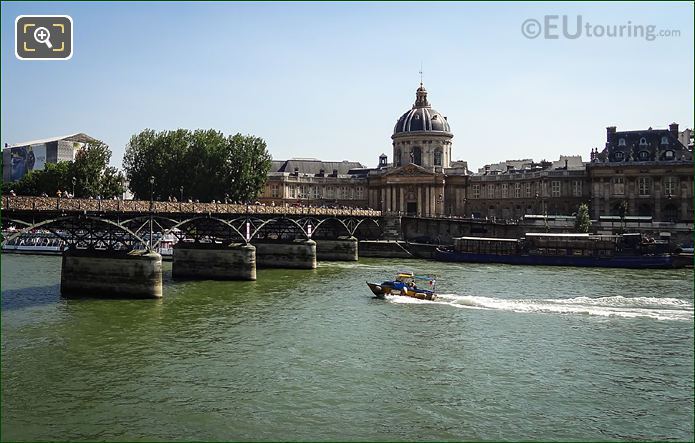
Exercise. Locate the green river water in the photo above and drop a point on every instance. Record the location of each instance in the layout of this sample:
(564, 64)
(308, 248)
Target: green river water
(506, 353)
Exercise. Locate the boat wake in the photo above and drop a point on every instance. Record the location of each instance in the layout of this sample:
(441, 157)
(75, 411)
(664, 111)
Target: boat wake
(614, 306)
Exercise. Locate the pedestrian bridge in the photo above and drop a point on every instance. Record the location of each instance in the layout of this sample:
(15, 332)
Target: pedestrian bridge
(111, 244)
(126, 224)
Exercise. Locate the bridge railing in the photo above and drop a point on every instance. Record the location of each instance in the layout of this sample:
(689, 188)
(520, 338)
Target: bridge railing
(26, 203)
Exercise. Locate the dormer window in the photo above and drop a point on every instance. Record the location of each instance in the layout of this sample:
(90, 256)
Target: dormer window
(621, 142)
(642, 141)
(664, 140)
(644, 155)
(619, 155)
(669, 155)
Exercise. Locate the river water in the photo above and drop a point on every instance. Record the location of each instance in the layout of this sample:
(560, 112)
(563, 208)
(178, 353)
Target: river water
(506, 353)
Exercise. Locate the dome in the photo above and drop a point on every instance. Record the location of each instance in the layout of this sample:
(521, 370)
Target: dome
(421, 117)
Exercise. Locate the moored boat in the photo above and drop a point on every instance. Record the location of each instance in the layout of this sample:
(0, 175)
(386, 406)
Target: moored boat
(405, 284)
(586, 250)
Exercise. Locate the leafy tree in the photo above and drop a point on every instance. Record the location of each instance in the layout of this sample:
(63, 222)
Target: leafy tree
(583, 222)
(205, 163)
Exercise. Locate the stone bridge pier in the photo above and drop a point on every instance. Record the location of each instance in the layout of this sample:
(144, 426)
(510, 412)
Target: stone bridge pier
(341, 249)
(95, 273)
(200, 261)
(295, 254)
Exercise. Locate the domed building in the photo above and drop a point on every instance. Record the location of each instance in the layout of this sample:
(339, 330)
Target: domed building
(417, 182)
(422, 136)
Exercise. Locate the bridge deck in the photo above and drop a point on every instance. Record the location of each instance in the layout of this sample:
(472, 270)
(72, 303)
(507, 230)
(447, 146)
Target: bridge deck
(67, 205)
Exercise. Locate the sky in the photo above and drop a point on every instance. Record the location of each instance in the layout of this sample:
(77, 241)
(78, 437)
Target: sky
(329, 80)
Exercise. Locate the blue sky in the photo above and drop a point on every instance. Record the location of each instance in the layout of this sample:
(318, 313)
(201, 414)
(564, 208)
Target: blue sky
(329, 80)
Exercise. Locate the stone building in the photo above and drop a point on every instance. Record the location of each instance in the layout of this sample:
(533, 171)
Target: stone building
(643, 173)
(525, 187)
(648, 172)
(422, 180)
(308, 181)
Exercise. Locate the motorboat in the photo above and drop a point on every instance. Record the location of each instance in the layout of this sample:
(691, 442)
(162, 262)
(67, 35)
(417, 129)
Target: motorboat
(405, 284)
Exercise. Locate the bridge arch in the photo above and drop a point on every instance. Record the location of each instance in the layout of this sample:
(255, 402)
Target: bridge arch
(58, 226)
(196, 221)
(288, 228)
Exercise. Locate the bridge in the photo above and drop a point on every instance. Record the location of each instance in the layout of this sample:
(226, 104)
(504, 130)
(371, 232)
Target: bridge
(111, 243)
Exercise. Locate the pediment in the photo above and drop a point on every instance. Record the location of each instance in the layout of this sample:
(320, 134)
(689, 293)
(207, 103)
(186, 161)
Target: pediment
(410, 170)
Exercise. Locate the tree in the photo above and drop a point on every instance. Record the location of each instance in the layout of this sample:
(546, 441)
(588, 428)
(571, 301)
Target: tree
(583, 222)
(208, 165)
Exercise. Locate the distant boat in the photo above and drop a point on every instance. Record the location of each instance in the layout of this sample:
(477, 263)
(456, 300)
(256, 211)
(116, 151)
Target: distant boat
(405, 284)
(587, 250)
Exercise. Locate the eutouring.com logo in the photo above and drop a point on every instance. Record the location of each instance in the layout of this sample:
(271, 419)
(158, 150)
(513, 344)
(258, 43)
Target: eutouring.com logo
(553, 27)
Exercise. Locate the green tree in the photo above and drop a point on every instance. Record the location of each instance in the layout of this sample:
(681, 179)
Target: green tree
(208, 165)
(583, 222)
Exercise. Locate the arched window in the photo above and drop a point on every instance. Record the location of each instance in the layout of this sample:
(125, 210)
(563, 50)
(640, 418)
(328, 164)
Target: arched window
(621, 142)
(417, 155)
(642, 141)
(644, 155)
(438, 157)
(669, 155)
(619, 155)
(664, 140)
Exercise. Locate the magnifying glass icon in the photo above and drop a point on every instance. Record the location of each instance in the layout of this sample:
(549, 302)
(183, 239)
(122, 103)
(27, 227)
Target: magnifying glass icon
(42, 35)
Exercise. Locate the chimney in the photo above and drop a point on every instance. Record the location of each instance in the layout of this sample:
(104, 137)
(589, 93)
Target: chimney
(565, 163)
(487, 169)
(322, 173)
(335, 173)
(382, 160)
(610, 132)
(296, 171)
(673, 127)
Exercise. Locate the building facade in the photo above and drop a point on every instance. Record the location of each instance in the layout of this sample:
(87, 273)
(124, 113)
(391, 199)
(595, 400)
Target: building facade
(22, 158)
(648, 173)
(316, 183)
(643, 173)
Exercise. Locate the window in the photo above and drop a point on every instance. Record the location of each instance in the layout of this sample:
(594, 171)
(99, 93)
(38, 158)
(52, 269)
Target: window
(397, 160)
(417, 155)
(476, 191)
(438, 157)
(316, 192)
(621, 142)
(669, 155)
(618, 186)
(555, 188)
(274, 191)
(670, 186)
(303, 191)
(359, 193)
(528, 189)
(644, 155)
(293, 191)
(619, 155)
(577, 188)
(490, 191)
(344, 193)
(643, 141)
(330, 192)
(505, 190)
(644, 186)
(517, 190)
(664, 140)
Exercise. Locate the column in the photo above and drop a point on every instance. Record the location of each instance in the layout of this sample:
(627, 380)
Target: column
(402, 193)
(419, 201)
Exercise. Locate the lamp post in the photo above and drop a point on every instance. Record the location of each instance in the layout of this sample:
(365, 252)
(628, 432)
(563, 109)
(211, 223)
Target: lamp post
(440, 200)
(151, 209)
(74, 181)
